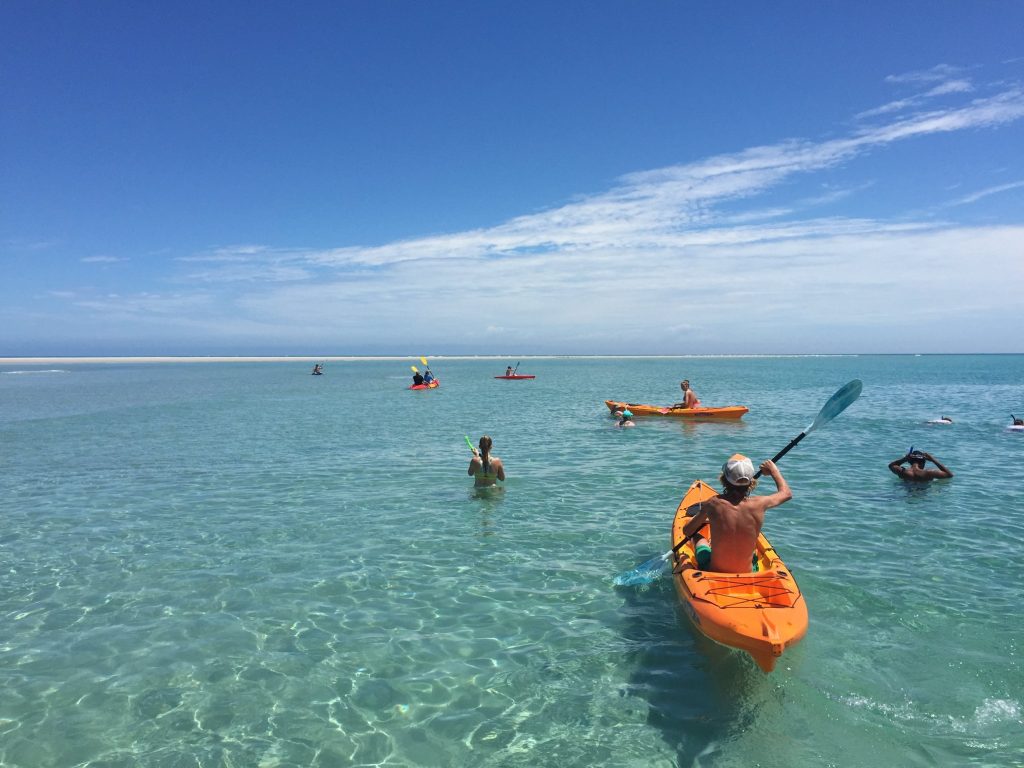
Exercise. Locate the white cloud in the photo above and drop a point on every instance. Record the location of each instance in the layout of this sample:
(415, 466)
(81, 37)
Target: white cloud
(936, 73)
(101, 259)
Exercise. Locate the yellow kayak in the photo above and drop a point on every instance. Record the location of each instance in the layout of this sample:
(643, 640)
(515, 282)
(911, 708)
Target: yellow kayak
(639, 409)
(762, 613)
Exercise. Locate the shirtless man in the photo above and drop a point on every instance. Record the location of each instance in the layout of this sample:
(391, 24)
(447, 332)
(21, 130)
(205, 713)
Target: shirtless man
(735, 516)
(485, 469)
(916, 470)
(689, 396)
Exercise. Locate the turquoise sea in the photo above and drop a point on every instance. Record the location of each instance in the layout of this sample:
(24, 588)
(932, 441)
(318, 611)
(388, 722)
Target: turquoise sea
(241, 564)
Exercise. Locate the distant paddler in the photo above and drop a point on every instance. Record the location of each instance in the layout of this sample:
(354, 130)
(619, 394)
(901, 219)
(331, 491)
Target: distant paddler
(689, 396)
(486, 469)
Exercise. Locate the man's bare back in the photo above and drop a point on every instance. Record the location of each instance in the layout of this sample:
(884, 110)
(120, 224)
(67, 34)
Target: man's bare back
(736, 519)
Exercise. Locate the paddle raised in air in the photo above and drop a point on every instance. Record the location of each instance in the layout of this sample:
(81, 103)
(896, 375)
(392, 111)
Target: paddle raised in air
(654, 569)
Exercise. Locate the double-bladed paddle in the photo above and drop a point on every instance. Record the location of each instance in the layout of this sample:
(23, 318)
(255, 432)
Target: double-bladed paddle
(653, 569)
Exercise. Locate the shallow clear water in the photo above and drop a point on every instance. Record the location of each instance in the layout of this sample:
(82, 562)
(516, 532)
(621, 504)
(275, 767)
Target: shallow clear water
(244, 565)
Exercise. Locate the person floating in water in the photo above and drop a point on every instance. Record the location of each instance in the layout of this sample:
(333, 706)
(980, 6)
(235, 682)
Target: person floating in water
(689, 396)
(417, 379)
(917, 470)
(626, 419)
(735, 517)
(485, 469)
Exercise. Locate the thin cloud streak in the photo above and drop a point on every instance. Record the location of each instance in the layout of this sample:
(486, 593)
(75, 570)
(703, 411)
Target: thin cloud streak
(951, 86)
(976, 196)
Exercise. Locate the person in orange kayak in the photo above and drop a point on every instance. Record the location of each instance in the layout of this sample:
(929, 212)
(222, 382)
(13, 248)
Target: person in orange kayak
(485, 469)
(735, 516)
(417, 379)
(917, 470)
(689, 396)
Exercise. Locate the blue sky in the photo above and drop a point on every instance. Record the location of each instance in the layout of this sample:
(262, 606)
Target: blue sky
(528, 177)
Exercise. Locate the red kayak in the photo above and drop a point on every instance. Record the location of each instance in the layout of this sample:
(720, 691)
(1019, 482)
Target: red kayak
(432, 385)
(516, 376)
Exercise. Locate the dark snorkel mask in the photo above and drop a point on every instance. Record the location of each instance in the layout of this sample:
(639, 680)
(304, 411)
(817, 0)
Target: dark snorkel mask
(915, 457)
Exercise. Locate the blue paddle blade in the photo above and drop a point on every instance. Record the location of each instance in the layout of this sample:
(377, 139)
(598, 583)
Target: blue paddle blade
(646, 573)
(836, 404)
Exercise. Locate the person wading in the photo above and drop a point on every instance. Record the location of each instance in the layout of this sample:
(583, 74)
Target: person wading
(485, 469)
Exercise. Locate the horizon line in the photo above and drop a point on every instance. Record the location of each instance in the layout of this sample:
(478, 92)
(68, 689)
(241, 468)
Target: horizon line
(114, 359)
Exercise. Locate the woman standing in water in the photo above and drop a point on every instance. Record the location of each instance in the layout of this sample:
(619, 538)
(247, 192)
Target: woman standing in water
(485, 469)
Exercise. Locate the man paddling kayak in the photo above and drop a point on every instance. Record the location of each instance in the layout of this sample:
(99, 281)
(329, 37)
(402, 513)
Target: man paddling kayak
(735, 516)
(689, 396)
(485, 469)
(916, 470)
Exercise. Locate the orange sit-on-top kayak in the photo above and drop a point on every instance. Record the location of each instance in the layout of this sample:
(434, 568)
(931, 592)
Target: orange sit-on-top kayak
(762, 613)
(639, 409)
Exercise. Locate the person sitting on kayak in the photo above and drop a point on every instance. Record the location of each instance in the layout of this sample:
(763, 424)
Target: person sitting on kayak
(735, 516)
(417, 379)
(626, 419)
(689, 396)
(485, 469)
(508, 371)
(916, 470)
(1017, 422)
(427, 376)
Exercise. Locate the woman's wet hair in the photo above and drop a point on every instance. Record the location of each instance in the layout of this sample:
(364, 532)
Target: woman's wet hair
(485, 450)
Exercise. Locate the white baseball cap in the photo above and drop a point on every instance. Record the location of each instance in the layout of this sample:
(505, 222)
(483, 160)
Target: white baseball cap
(738, 470)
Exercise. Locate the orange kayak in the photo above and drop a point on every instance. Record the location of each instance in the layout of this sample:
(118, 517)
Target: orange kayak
(762, 613)
(638, 409)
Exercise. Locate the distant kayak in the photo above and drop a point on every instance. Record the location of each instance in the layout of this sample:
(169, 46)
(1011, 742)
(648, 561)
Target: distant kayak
(762, 613)
(1016, 428)
(432, 385)
(317, 373)
(516, 376)
(638, 409)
